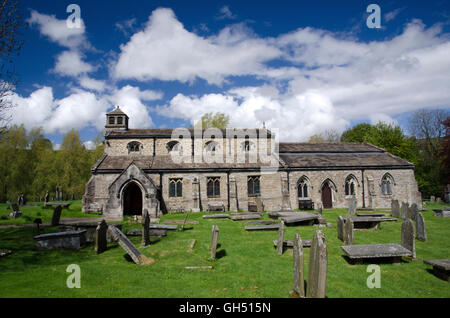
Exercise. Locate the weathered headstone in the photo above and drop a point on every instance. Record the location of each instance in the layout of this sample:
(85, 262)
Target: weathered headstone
(438, 200)
(129, 247)
(352, 206)
(185, 219)
(340, 228)
(214, 239)
(421, 233)
(348, 231)
(317, 270)
(100, 237)
(395, 209)
(319, 208)
(280, 238)
(432, 199)
(259, 206)
(404, 211)
(56, 215)
(298, 272)
(145, 229)
(408, 240)
(412, 211)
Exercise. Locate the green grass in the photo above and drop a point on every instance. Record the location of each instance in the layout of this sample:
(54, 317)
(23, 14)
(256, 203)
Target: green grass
(247, 265)
(31, 212)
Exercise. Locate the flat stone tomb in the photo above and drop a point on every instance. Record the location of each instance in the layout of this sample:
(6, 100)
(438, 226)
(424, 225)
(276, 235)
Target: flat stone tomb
(55, 204)
(90, 230)
(250, 216)
(372, 214)
(375, 251)
(261, 222)
(152, 232)
(216, 216)
(262, 227)
(303, 217)
(290, 243)
(66, 240)
(442, 213)
(163, 227)
(441, 267)
(278, 214)
(369, 222)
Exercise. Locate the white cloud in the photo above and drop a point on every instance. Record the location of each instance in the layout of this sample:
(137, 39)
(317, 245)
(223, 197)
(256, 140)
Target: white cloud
(89, 145)
(57, 30)
(225, 13)
(70, 63)
(165, 50)
(92, 84)
(378, 117)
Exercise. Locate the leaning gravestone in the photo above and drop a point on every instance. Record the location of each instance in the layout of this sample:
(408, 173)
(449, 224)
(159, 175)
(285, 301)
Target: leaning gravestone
(56, 215)
(100, 237)
(340, 228)
(408, 240)
(129, 247)
(352, 206)
(404, 211)
(395, 209)
(184, 222)
(317, 275)
(348, 232)
(214, 239)
(280, 238)
(145, 228)
(298, 272)
(421, 233)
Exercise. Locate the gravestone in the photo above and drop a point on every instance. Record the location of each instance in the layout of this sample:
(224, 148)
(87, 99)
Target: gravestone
(348, 231)
(340, 228)
(145, 228)
(214, 239)
(185, 219)
(404, 211)
(100, 237)
(298, 272)
(263, 227)
(16, 212)
(216, 216)
(38, 222)
(65, 240)
(408, 239)
(438, 200)
(259, 205)
(129, 247)
(319, 208)
(432, 199)
(412, 211)
(56, 215)
(395, 209)
(421, 233)
(317, 269)
(352, 206)
(280, 238)
(46, 197)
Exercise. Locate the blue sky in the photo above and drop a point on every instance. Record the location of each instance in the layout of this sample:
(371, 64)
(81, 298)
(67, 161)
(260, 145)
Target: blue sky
(302, 67)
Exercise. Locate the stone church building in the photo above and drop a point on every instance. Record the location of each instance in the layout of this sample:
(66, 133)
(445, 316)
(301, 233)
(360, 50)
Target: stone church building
(170, 170)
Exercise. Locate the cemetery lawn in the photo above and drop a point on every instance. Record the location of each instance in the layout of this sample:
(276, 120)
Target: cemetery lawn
(247, 264)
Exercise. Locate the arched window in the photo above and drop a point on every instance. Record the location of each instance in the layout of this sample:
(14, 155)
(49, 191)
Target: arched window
(213, 187)
(350, 185)
(253, 186)
(212, 146)
(173, 146)
(303, 188)
(247, 145)
(386, 184)
(175, 187)
(134, 146)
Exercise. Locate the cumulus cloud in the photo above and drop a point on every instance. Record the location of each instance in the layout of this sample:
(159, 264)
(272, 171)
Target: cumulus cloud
(154, 53)
(70, 63)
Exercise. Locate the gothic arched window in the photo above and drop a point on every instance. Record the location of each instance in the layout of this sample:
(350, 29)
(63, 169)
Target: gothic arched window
(350, 185)
(386, 184)
(134, 146)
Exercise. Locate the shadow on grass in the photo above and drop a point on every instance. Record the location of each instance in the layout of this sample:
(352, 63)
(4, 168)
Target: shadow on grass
(378, 260)
(220, 254)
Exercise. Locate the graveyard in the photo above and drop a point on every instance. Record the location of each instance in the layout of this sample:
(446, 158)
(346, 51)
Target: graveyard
(181, 263)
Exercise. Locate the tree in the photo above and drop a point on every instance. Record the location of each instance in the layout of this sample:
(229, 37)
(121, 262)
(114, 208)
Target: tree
(11, 22)
(330, 135)
(445, 152)
(359, 133)
(210, 120)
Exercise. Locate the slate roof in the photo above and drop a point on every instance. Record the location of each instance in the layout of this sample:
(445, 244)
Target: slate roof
(117, 111)
(301, 147)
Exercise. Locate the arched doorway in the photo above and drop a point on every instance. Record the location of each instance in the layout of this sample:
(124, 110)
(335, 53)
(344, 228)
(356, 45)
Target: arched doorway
(326, 196)
(132, 199)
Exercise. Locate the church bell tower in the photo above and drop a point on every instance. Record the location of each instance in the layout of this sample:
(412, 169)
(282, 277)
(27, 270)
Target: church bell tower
(116, 120)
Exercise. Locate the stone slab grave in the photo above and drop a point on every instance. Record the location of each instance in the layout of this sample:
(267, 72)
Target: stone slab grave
(64, 205)
(169, 227)
(216, 216)
(214, 240)
(441, 213)
(375, 215)
(441, 268)
(240, 216)
(129, 247)
(279, 214)
(56, 215)
(90, 230)
(152, 232)
(301, 217)
(216, 207)
(73, 240)
(262, 227)
(385, 251)
(369, 222)
(176, 221)
(421, 232)
(261, 222)
(290, 243)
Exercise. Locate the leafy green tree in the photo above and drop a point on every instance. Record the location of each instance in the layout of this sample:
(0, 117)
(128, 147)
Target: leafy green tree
(210, 120)
(359, 133)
